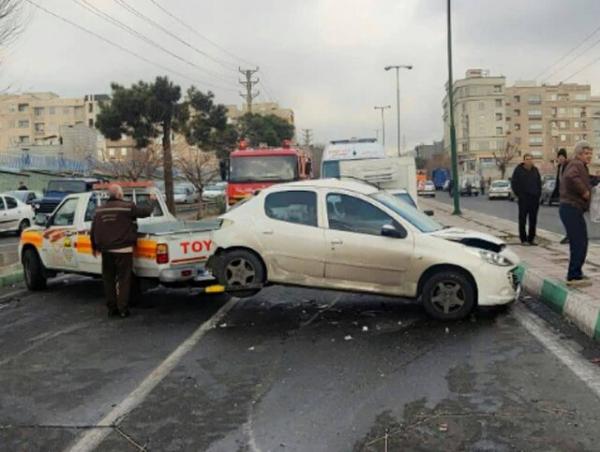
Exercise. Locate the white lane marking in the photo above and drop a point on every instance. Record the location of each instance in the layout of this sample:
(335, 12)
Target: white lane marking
(587, 372)
(93, 437)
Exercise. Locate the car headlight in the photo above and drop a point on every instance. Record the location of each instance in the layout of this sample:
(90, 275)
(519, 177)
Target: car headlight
(36, 206)
(494, 258)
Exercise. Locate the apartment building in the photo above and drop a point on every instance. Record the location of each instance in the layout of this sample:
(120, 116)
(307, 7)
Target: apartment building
(262, 108)
(479, 119)
(37, 118)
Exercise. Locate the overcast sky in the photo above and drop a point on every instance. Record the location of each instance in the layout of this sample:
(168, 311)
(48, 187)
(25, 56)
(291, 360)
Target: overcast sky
(322, 58)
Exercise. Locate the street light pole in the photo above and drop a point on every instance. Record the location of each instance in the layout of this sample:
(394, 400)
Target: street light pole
(397, 68)
(383, 108)
(455, 185)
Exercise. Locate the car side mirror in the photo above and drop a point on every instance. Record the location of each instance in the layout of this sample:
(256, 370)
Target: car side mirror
(429, 213)
(389, 230)
(41, 219)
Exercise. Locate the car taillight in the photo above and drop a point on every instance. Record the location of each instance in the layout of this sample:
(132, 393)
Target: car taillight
(162, 253)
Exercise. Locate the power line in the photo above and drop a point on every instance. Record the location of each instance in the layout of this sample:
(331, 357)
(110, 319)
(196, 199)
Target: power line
(587, 38)
(107, 17)
(591, 63)
(197, 33)
(573, 59)
(142, 16)
(124, 49)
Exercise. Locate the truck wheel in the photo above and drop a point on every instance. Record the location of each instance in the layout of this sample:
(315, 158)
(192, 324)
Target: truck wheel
(22, 226)
(34, 271)
(448, 295)
(238, 269)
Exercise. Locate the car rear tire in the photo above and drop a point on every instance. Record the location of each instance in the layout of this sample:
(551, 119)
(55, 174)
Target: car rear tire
(448, 295)
(238, 269)
(34, 271)
(24, 224)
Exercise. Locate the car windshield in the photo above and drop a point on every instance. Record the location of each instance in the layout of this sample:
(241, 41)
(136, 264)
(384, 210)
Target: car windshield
(214, 187)
(21, 195)
(67, 186)
(263, 169)
(405, 197)
(180, 190)
(500, 184)
(415, 217)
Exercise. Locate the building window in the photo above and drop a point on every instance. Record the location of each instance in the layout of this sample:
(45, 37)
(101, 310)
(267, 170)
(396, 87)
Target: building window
(111, 152)
(562, 124)
(123, 152)
(91, 107)
(23, 124)
(497, 88)
(517, 98)
(517, 112)
(535, 113)
(517, 126)
(581, 96)
(67, 111)
(498, 102)
(536, 141)
(499, 131)
(39, 127)
(52, 110)
(563, 138)
(498, 116)
(535, 126)
(23, 108)
(90, 122)
(38, 111)
(24, 139)
(562, 111)
(534, 99)
(576, 124)
(552, 97)
(563, 97)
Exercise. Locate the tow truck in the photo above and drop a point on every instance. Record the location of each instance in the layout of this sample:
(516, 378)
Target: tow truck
(169, 252)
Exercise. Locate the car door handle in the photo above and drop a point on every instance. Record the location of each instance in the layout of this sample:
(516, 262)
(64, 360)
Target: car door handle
(268, 231)
(337, 242)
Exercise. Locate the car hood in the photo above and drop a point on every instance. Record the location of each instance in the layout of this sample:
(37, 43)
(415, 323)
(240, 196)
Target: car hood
(471, 238)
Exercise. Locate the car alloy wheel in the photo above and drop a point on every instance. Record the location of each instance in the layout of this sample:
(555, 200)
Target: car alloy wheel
(239, 272)
(448, 296)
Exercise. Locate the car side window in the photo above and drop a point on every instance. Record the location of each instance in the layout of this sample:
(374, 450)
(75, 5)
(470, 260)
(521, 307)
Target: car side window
(142, 199)
(296, 206)
(351, 214)
(90, 210)
(11, 203)
(65, 215)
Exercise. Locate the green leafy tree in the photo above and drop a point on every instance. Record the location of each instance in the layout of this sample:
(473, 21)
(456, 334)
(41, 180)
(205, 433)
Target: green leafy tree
(269, 129)
(144, 112)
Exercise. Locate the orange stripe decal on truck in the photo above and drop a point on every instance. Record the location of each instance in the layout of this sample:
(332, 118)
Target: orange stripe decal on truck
(32, 238)
(145, 249)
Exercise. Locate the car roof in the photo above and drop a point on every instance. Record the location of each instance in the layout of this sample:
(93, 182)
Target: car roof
(335, 184)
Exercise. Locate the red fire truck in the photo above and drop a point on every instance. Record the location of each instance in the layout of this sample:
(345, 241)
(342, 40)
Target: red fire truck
(254, 169)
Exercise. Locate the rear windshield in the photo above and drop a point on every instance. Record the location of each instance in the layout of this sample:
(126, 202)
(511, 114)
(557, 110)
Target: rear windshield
(67, 186)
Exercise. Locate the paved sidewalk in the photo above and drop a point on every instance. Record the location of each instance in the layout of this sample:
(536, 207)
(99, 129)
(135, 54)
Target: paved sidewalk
(544, 267)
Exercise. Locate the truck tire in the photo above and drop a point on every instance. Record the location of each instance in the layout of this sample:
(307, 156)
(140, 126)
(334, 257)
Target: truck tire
(448, 295)
(238, 269)
(24, 224)
(34, 271)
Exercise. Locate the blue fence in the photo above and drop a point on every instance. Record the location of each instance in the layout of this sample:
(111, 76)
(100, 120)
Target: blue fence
(26, 161)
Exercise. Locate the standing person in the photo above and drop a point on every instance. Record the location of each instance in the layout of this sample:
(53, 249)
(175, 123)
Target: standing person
(575, 194)
(114, 234)
(482, 185)
(527, 185)
(562, 160)
(22, 186)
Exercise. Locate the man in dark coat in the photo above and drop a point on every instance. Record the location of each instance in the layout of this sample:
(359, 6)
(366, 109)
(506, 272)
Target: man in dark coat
(527, 185)
(561, 158)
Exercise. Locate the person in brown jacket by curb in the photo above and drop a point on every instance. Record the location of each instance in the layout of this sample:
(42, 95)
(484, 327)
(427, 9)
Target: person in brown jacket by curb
(575, 194)
(114, 235)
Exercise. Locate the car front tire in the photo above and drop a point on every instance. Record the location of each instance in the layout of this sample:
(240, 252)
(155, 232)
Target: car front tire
(238, 269)
(34, 271)
(448, 295)
(24, 224)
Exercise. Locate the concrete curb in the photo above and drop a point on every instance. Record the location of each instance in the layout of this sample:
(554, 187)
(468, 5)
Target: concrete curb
(580, 309)
(9, 279)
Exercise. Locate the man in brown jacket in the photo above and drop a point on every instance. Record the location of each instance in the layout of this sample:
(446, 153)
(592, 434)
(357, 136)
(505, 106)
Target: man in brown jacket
(114, 234)
(575, 193)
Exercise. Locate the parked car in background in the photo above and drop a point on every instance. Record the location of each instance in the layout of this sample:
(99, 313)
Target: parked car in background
(15, 215)
(357, 238)
(427, 188)
(59, 188)
(547, 191)
(27, 196)
(440, 176)
(500, 189)
(214, 191)
(185, 194)
(469, 185)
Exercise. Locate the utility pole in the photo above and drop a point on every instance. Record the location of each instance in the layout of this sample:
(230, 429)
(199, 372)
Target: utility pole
(455, 185)
(397, 67)
(307, 137)
(248, 83)
(382, 108)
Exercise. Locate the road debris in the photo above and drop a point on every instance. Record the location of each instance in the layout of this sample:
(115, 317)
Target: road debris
(365, 329)
(348, 338)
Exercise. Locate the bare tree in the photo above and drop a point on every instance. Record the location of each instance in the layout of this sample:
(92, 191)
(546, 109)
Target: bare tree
(11, 20)
(502, 160)
(140, 164)
(198, 167)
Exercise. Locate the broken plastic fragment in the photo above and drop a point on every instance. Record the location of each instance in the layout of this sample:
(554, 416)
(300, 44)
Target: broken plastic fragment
(348, 338)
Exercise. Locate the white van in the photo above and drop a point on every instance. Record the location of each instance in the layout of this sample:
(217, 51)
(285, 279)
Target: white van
(365, 159)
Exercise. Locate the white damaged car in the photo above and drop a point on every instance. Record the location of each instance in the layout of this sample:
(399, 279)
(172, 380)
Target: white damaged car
(346, 235)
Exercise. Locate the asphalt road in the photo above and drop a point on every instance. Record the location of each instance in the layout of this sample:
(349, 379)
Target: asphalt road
(547, 216)
(290, 370)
